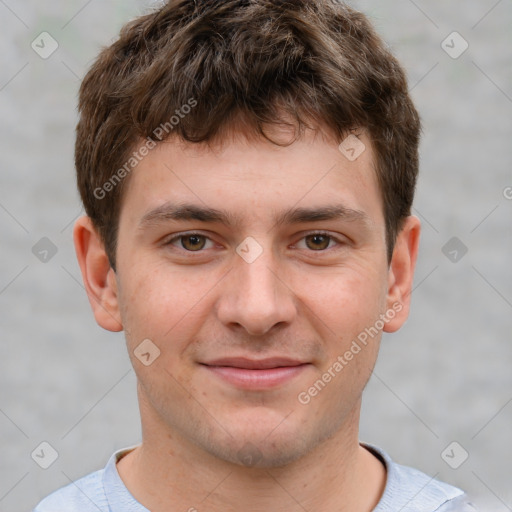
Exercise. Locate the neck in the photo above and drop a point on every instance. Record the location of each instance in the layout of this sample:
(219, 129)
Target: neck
(169, 473)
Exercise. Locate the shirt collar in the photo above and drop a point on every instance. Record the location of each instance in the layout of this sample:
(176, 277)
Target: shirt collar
(118, 496)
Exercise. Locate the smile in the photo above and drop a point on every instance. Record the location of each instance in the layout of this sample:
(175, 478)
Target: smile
(256, 374)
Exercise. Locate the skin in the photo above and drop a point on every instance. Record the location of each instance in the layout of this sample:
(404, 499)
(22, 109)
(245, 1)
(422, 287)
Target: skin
(209, 444)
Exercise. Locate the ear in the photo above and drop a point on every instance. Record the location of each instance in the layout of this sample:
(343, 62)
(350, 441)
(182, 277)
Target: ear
(98, 276)
(401, 273)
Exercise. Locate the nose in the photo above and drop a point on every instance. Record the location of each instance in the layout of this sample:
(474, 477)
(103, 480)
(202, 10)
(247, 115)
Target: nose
(256, 296)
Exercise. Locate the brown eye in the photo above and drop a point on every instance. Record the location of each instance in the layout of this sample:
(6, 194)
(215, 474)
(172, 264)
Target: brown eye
(190, 242)
(318, 242)
(193, 242)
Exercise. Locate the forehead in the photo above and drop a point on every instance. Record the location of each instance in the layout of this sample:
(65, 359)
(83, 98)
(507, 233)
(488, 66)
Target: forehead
(243, 178)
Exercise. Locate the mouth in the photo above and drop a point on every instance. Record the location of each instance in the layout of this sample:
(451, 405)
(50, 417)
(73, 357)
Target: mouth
(256, 374)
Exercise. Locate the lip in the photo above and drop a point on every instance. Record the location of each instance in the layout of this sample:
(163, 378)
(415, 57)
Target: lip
(254, 374)
(255, 364)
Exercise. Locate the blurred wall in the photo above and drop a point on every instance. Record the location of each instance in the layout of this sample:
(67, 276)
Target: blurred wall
(444, 378)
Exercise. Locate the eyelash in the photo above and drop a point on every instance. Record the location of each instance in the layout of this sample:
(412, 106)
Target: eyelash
(313, 233)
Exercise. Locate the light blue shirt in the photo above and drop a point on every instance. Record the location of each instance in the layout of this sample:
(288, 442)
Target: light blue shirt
(407, 490)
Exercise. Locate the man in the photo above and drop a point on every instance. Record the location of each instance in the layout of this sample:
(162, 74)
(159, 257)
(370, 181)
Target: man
(248, 169)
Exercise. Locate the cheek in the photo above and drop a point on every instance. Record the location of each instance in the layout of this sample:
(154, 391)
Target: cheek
(345, 302)
(345, 310)
(161, 304)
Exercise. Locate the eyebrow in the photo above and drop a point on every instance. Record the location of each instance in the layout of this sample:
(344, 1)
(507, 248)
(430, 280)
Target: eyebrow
(176, 212)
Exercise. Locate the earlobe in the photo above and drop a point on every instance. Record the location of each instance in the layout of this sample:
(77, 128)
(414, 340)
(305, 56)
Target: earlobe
(401, 273)
(98, 277)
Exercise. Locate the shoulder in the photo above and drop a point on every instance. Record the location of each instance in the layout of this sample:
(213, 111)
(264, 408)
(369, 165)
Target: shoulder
(417, 491)
(84, 495)
(409, 490)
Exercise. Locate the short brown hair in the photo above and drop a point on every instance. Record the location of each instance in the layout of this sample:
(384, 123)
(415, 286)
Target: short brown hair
(268, 62)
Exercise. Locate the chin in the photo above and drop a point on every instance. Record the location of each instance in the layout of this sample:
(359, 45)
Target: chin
(267, 440)
(264, 454)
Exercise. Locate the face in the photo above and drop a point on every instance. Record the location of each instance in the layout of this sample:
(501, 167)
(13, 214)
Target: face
(259, 275)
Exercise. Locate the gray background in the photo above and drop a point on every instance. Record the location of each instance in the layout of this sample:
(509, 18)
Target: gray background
(446, 376)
